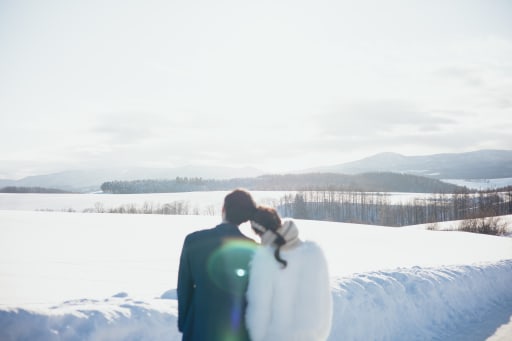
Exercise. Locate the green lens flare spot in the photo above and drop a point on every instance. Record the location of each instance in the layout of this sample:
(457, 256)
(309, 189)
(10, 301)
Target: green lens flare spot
(228, 267)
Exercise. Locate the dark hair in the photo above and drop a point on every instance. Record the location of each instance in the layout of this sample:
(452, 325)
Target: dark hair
(239, 206)
(269, 219)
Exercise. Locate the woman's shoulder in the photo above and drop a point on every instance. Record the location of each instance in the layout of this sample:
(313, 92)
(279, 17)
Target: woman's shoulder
(311, 248)
(310, 245)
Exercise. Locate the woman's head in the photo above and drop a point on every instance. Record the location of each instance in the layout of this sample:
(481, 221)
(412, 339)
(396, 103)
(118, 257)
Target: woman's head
(266, 223)
(267, 218)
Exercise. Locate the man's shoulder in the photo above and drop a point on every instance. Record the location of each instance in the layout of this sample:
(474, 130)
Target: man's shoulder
(211, 232)
(222, 231)
(200, 234)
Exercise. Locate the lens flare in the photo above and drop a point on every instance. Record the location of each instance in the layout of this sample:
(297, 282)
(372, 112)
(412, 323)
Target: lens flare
(228, 267)
(241, 272)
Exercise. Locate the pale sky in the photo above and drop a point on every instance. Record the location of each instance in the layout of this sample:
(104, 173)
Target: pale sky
(278, 85)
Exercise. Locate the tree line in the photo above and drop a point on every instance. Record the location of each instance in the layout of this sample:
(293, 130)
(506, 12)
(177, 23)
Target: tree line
(16, 189)
(375, 182)
(179, 207)
(376, 209)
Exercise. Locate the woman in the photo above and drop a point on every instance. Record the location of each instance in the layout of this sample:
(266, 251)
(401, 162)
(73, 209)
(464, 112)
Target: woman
(289, 295)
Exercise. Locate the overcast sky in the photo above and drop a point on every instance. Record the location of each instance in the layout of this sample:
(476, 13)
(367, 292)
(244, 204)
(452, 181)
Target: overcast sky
(278, 85)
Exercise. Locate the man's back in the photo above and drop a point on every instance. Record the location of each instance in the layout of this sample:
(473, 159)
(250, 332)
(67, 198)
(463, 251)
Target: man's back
(212, 282)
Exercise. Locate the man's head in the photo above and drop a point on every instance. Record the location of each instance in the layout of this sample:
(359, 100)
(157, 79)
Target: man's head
(239, 206)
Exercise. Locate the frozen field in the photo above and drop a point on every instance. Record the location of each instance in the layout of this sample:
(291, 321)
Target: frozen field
(203, 203)
(75, 276)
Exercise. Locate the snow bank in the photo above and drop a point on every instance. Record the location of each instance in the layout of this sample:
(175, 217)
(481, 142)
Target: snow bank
(447, 303)
(116, 318)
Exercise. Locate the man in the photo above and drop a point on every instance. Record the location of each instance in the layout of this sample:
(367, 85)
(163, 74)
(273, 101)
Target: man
(212, 278)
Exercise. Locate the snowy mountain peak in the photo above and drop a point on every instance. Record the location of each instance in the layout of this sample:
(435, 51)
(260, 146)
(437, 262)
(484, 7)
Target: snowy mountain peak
(482, 164)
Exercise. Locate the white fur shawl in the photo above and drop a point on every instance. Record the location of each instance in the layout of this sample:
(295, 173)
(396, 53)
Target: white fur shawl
(293, 303)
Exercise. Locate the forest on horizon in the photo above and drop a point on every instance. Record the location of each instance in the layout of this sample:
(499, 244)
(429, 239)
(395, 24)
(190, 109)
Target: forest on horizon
(366, 182)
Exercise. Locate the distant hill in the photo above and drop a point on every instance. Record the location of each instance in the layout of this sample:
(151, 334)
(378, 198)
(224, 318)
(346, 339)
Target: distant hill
(91, 180)
(367, 182)
(13, 189)
(5, 182)
(482, 164)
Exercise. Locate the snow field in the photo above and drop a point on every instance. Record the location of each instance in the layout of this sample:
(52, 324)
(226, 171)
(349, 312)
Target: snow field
(203, 202)
(58, 272)
(206, 203)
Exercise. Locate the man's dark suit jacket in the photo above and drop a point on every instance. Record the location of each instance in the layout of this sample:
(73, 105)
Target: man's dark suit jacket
(212, 281)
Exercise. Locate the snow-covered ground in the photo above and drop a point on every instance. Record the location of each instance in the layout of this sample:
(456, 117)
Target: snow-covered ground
(481, 184)
(203, 203)
(76, 276)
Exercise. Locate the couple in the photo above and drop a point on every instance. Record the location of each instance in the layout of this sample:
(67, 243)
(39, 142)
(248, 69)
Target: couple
(232, 289)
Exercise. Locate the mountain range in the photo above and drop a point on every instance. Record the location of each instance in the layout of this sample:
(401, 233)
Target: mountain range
(91, 180)
(482, 164)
